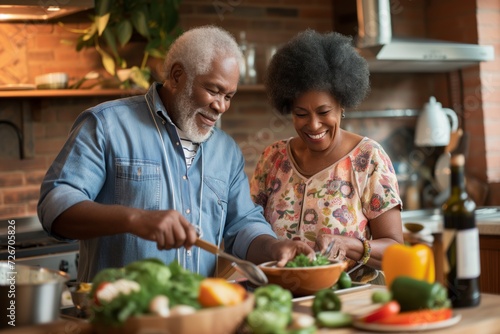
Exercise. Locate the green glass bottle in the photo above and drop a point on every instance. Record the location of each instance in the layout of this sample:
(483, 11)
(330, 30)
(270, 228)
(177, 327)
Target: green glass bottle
(461, 240)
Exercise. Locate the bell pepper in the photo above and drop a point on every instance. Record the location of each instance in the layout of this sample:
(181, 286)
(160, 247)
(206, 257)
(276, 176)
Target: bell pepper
(417, 317)
(326, 300)
(273, 310)
(413, 261)
(413, 294)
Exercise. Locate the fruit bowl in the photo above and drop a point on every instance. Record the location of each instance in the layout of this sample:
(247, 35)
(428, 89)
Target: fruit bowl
(304, 281)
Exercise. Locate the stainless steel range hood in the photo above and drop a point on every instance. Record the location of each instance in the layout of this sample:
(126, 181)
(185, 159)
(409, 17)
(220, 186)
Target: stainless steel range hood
(38, 10)
(386, 53)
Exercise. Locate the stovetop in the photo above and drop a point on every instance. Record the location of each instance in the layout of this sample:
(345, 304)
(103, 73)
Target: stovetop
(30, 239)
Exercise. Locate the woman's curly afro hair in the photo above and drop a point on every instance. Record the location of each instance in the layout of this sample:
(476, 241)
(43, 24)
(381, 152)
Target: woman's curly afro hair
(314, 61)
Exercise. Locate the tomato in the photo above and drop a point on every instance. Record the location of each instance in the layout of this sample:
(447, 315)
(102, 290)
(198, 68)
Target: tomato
(388, 309)
(417, 317)
(99, 287)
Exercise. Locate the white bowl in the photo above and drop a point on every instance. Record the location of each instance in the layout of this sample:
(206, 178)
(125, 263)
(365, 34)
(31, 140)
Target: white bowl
(57, 80)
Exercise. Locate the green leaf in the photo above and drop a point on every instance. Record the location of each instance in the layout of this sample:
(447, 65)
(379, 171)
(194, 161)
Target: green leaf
(107, 61)
(141, 78)
(102, 7)
(102, 22)
(109, 37)
(124, 32)
(90, 32)
(140, 22)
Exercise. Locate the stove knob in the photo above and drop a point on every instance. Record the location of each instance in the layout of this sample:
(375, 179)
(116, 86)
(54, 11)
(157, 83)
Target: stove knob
(64, 266)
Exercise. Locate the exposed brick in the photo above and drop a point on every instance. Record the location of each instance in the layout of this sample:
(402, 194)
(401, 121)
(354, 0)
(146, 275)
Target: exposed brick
(12, 179)
(36, 163)
(50, 145)
(33, 49)
(12, 211)
(285, 12)
(18, 196)
(35, 178)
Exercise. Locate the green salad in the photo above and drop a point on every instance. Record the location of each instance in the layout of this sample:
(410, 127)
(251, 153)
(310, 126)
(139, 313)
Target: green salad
(119, 293)
(302, 260)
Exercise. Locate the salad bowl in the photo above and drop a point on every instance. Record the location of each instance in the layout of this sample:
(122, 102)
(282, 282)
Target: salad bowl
(304, 281)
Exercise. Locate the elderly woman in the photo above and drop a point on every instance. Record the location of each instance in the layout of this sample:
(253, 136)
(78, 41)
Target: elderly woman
(326, 184)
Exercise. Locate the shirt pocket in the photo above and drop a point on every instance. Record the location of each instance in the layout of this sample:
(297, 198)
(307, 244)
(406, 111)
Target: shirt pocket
(215, 202)
(138, 183)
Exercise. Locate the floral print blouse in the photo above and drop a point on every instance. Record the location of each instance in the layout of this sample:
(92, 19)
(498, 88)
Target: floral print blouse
(340, 199)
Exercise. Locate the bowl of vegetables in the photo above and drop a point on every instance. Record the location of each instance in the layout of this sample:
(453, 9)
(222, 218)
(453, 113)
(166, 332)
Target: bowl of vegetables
(303, 276)
(149, 296)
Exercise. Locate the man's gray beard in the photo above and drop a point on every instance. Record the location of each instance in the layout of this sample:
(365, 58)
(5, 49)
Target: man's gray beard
(186, 119)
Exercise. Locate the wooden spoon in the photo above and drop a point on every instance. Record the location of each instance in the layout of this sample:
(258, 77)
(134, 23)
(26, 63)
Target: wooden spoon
(246, 268)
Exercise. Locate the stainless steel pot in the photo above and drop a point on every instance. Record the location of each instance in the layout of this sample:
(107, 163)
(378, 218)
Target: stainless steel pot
(29, 295)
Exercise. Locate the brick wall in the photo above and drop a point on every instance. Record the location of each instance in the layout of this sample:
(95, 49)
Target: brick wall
(27, 50)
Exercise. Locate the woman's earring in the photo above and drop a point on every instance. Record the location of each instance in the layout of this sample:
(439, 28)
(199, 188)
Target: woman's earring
(343, 114)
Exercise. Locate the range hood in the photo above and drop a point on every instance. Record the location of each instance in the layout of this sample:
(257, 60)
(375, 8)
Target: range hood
(40, 10)
(386, 53)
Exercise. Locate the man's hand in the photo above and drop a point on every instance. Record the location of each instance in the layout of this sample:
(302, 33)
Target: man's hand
(86, 220)
(168, 228)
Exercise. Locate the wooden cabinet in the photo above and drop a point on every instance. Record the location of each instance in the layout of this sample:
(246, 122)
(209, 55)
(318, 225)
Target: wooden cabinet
(490, 263)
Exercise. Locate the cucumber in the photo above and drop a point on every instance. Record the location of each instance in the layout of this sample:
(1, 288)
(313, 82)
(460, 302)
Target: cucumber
(333, 319)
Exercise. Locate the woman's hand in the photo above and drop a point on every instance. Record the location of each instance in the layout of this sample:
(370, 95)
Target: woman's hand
(266, 248)
(339, 249)
(286, 250)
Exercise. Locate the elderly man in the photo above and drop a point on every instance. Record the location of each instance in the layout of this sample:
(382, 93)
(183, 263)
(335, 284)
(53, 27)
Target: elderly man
(143, 176)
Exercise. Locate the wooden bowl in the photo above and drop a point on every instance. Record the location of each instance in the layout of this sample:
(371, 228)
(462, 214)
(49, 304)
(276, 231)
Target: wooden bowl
(213, 320)
(304, 281)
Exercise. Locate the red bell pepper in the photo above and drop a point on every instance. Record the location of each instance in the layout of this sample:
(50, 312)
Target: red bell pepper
(416, 317)
(385, 311)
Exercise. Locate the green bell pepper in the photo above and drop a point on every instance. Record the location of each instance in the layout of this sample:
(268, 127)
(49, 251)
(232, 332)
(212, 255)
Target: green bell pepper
(273, 310)
(413, 294)
(326, 300)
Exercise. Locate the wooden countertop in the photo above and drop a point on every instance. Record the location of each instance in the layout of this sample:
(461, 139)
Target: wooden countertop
(483, 319)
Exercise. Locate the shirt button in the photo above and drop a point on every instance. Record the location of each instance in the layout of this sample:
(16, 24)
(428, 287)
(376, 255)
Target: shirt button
(184, 177)
(177, 143)
(188, 211)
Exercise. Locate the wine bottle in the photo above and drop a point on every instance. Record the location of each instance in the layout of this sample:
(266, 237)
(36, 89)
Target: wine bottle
(461, 240)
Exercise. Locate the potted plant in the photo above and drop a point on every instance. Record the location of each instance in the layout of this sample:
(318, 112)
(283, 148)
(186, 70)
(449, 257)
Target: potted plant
(116, 22)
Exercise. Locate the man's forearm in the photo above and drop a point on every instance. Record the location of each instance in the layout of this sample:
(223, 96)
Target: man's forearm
(259, 250)
(86, 220)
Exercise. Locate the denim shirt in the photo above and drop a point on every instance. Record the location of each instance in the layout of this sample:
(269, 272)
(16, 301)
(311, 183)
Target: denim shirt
(127, 152)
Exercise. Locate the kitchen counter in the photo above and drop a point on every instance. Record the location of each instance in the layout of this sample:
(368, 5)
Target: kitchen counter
(487, 220)
(482, 319)
(488, 225)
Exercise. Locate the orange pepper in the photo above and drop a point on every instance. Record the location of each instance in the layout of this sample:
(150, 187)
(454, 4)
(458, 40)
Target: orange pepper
(414, 261)
(219, 292)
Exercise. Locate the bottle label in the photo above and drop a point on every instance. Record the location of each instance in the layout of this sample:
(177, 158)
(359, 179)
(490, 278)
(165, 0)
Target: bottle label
(465, 244)
(468, 261)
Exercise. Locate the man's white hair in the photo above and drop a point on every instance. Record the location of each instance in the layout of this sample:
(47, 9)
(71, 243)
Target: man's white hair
(196, 48)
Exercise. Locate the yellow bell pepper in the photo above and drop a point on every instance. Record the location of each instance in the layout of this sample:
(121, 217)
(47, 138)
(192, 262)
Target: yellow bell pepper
(414, 261)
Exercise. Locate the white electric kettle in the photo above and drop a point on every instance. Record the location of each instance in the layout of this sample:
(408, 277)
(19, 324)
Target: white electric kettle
(435, 124)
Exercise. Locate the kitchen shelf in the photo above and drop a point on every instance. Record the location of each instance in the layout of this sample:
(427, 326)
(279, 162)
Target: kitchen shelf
(55, 93)
(43, 93)
(391, 113)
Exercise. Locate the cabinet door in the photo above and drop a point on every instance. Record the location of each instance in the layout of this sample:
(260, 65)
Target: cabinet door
(490, 258)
